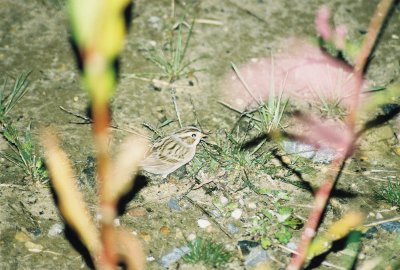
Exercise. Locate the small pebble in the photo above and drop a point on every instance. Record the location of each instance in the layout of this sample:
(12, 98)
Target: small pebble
(370, 232)
(76, 98)
(55, 229)
(215, 213)
(237, 213)
(32, 247)
(145, 236)
(379, 216)
(117, 222)
(232, 228)
(291, 245)
(179, 234)
(152, 43)
(203, 223)
(165, 230)
(252, 205)
(174, 255)
(173, 204)
(224, 200)
(191, 237)
(21, 236)
(286, 159)
(241, 202)
(150, 258)
(137, 212)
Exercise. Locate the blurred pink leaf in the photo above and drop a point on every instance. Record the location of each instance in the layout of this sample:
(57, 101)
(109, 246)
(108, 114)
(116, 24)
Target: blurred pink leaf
(304, 73)
(340, 37)
(322, 23)
(327, 133)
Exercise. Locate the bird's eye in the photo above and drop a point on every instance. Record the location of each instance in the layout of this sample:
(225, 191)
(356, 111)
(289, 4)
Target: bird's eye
(194, 135)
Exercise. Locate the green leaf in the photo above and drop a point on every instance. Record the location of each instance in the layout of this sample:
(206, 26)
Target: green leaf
(283, 235)
(265, 242)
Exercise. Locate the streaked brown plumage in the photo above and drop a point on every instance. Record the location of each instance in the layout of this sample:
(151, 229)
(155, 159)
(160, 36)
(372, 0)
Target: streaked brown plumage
(173, 151)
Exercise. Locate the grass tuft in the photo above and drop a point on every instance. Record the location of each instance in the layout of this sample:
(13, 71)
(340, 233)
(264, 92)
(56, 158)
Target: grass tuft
(227, 151)
(171, 59)
(390, 193)
(268, 116)
(23, 154)
(10, 97)
(204, 250)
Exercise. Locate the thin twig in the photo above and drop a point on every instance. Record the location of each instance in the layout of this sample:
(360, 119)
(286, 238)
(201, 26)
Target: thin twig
(381, 222)
(245, 84)
(242, 113)
(88, 120)
(207, 21)
(152, 128)
(203, 183)
(323, 263)
(173, 94)
(195, 113)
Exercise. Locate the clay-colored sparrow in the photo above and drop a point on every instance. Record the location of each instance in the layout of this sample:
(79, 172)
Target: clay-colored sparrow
(172, 152)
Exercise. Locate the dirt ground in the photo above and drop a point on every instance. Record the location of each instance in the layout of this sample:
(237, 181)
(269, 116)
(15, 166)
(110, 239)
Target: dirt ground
(34, 37)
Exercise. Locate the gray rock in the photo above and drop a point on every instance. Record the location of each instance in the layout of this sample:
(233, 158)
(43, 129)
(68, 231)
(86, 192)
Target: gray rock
(232, 228)
(291, 245)
(174, 255)
(56, 229)
(256, 256)
(392, 226)
(173, 204)
(322, 155)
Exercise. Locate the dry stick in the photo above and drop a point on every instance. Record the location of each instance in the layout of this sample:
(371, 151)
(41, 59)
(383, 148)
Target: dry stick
(88, 120)
(236, 70)
(195, 113)
(323, 194)
(173, 94)
(373, 224)
(284, 248)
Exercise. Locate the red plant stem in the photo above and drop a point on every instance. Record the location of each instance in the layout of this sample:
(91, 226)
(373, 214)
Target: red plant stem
(323, 194)
(101, 120)
(373, 30)
(321, 199)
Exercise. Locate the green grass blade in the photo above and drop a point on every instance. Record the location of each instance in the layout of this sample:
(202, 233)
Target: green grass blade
(19, 90)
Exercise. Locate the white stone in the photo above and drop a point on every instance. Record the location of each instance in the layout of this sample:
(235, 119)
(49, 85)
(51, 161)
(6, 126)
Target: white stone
(224, 200)
(203, 223)
(56, 229)
(191, 237)
(252, 205)
(117, 222)
(237, 213)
